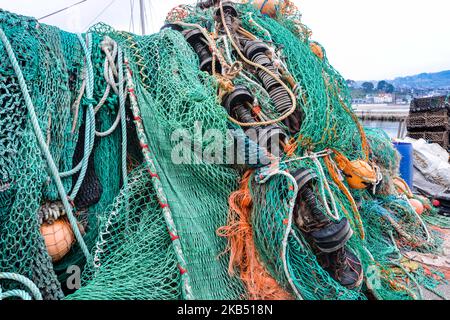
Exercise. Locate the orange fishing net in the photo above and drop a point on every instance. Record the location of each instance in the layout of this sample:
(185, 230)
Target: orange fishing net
(243, 254)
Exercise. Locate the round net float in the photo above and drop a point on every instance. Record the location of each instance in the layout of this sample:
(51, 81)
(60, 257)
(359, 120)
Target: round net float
(317, 50)
(402, 187)
(436, 203)
(267, 7)
(418, 206)
(425, 202)
(360, 174)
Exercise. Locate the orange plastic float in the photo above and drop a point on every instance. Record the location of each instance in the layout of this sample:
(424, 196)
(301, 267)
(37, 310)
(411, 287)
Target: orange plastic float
(268, 7)
(418, 206)
(425, 202)
(359, 174)
(402, 187)
(317, 50)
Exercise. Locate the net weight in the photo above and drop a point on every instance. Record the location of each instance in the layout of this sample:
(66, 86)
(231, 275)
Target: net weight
(238, 309)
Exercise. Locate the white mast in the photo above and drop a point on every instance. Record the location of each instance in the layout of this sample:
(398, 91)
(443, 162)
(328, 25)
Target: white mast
(142, 9)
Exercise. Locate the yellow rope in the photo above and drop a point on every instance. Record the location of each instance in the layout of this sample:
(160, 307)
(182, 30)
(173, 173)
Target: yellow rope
(208, 38)
(293, 98)
(364, 142)
(334, 175)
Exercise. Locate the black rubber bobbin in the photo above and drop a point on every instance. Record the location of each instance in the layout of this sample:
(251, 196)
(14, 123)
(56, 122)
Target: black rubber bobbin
(306, 196)
(268, 81)
(281, 99)
(238, 98)
(252, 48)
(303, 176)
(272, 138)
(262, 59)
(197, 40)
(332, 237)
(243, 114)
(228, 10)
(206, 4)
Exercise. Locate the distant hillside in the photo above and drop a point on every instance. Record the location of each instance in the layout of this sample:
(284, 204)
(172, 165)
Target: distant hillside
(424, 81)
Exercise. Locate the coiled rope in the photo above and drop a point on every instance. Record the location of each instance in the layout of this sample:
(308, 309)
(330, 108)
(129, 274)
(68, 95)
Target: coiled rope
(43, 145)
(111, 70)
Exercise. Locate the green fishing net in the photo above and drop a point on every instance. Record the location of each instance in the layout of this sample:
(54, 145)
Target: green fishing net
(133, 256)
(52, 63)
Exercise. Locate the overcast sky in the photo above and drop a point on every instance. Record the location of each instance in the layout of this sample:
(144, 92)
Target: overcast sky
(364, 39)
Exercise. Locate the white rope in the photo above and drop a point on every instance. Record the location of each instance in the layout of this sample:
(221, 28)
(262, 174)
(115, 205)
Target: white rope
(265, 31)
(319, 154)
(288, 227)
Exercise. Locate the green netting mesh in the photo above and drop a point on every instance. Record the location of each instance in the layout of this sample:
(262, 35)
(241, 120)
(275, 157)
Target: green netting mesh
(153, 233)
(133, 244)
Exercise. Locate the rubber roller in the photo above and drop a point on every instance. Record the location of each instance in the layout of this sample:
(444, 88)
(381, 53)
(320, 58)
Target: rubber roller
(269, 137)
(198, 42)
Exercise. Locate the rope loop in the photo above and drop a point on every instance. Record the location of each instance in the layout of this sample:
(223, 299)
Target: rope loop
(19, 293)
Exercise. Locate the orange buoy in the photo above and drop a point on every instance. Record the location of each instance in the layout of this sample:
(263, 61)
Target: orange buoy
(418, 206)
(58, 238)
(267, 7)
(360, 174)
(317, 50)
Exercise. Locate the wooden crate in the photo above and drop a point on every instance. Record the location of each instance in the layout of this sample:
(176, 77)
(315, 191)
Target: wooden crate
(429, 121)
(439, 137)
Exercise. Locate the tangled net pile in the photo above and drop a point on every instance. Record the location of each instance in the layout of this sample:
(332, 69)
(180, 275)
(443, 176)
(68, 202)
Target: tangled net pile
(87, 121)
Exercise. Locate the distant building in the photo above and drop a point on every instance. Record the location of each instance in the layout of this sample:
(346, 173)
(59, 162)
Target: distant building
(369, 98)
(359, 101)
(402, 101)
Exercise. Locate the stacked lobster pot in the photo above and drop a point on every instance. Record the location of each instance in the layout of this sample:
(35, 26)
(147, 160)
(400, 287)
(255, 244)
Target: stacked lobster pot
(240, 103)
(429, 119)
